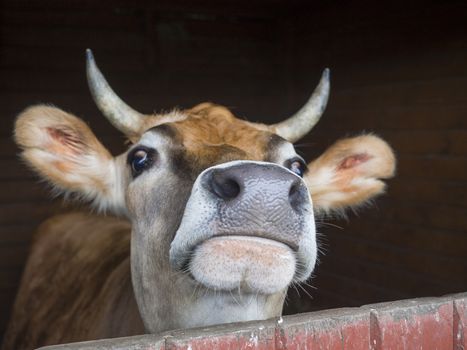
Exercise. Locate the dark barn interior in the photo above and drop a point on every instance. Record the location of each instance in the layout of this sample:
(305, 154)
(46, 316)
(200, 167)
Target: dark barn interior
(398, 70)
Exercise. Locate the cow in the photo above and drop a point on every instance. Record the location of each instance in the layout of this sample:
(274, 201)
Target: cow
(210, 218)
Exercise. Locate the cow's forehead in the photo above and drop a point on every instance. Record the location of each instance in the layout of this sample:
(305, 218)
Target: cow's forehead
(210, 131)
(214, 129)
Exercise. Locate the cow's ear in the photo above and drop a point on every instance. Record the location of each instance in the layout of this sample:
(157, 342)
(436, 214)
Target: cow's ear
(349, 173)
(65, 152)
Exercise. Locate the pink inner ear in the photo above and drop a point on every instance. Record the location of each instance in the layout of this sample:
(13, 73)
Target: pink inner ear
(67, 138)
(354, 160)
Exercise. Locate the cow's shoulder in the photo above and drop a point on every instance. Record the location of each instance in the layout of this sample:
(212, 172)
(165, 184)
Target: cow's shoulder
(76, 277)
(79, 231)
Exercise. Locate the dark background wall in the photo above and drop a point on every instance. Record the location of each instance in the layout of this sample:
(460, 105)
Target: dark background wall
(398, 69)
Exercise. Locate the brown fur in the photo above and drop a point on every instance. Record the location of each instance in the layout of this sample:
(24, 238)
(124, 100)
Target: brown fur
(77, 284)
(212, 135)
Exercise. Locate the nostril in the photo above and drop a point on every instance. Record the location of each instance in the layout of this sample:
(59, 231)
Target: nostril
(224, 187)
(295, 196)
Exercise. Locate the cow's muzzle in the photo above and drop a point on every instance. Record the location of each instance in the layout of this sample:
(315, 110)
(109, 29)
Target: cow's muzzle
(242, 217)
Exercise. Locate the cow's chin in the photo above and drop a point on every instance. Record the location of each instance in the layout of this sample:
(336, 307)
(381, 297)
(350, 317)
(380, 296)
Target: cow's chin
(245, 264)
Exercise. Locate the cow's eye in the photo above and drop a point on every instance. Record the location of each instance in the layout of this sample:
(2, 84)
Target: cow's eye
(140, 159)
(297, 166)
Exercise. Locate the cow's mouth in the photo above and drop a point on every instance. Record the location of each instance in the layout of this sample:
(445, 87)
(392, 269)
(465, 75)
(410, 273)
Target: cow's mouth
(250, 264)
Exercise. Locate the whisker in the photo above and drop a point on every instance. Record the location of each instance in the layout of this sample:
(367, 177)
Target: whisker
(304, 289)
(233, 297)
(294, 286)
(309, 285)
(307, 144)
(322, 223)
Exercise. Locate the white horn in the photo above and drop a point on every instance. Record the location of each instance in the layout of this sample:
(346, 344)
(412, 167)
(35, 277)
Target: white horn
(122, 116)
(306, 118)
